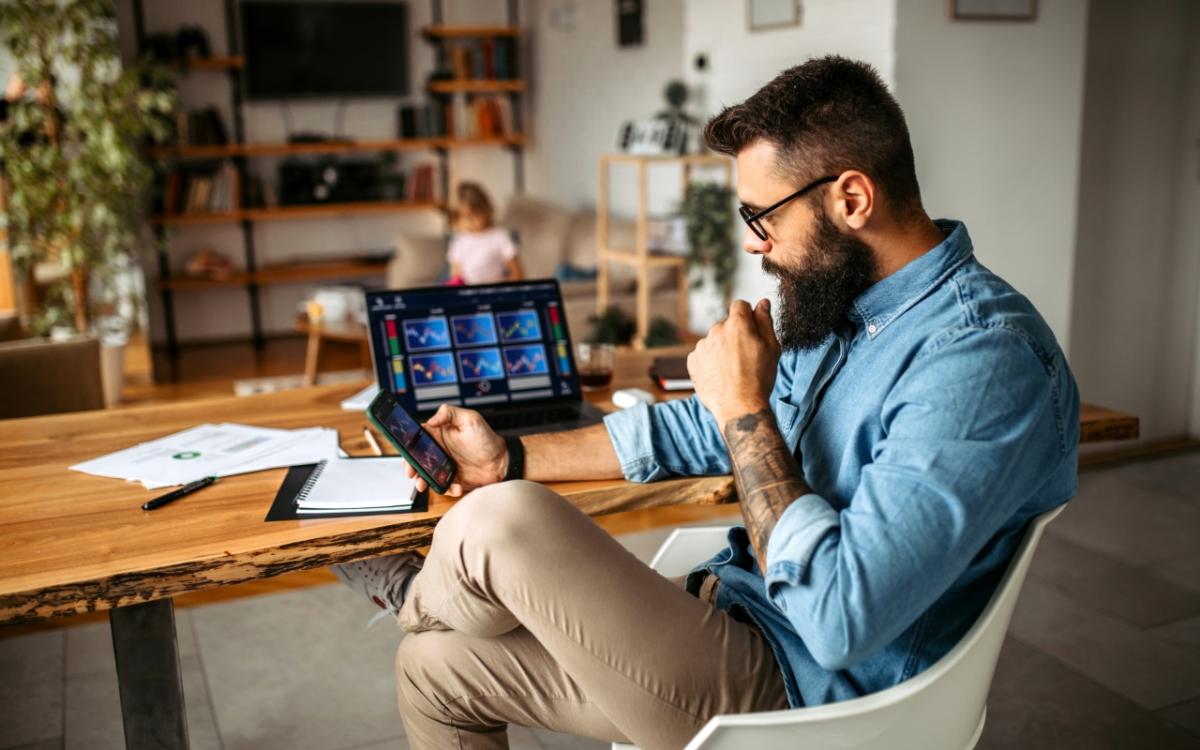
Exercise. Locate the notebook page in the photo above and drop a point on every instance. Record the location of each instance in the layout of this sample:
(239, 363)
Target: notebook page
(360, 483)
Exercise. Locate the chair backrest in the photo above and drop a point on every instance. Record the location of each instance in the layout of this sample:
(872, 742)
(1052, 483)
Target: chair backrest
(943, 707)
(43, 377)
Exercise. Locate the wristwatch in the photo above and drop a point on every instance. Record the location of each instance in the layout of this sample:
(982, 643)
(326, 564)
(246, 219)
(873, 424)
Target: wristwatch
(516, 459)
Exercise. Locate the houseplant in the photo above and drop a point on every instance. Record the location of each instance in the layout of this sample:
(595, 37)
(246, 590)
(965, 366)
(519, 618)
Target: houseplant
(712, 254)
(75, 177)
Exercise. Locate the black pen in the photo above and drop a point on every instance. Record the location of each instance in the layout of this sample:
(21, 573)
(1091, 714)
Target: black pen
(186, 489)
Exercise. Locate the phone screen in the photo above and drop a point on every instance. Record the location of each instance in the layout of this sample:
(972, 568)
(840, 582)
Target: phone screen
(405, 431)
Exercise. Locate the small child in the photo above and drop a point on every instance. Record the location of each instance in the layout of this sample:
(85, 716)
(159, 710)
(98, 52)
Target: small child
(480, 253)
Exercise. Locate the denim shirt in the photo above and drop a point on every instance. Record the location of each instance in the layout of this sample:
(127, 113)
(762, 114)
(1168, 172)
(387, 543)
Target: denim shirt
(931, 427)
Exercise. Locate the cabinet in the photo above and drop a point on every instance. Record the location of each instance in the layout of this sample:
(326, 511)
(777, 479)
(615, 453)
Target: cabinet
(639, 256)
(253, 275)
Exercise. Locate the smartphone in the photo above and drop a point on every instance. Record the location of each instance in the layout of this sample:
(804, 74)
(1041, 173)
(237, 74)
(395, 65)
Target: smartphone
(416, 445)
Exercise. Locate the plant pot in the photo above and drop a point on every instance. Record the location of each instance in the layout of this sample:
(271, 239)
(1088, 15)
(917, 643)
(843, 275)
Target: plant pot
(705, 305)
(112, 372)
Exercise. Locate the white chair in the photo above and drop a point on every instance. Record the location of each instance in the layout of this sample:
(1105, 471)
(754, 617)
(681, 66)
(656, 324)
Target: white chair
(943, 708)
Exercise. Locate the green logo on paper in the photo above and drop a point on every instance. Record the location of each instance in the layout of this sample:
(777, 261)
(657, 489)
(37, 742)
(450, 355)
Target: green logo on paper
(187, 454)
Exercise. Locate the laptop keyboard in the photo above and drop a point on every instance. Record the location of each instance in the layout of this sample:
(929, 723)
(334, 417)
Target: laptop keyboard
(510, 420)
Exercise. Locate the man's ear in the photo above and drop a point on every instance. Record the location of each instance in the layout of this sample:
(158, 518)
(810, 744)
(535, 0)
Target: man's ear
(854, 198)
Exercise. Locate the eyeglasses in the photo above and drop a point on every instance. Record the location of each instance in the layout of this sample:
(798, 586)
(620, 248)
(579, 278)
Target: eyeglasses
(753, 219)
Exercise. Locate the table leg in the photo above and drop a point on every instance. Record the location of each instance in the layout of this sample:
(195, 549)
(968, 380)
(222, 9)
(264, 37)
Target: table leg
(148, 675)
(312, 356)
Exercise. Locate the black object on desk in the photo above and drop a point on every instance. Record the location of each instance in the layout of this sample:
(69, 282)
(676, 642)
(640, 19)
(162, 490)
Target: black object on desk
(186, 489)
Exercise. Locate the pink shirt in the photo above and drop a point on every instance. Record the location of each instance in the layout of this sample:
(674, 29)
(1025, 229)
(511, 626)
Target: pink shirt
(482, 257)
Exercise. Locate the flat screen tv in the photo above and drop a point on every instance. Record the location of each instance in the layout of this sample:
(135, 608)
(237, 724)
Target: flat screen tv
(307, 50)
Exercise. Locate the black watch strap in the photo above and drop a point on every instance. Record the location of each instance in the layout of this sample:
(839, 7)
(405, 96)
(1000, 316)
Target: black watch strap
(516, 459)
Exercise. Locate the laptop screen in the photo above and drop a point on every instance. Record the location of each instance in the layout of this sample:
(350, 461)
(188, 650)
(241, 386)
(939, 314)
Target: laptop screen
(476, 346)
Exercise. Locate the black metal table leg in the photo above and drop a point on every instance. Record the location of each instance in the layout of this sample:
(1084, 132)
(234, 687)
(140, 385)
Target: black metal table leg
(148, 675)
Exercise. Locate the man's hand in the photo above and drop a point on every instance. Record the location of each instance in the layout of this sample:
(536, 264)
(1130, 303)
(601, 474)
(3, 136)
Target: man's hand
(480, 453)
(733, 367)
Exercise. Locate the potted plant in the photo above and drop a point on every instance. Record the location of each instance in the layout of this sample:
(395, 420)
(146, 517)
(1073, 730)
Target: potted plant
(712, 254)
(75, 176)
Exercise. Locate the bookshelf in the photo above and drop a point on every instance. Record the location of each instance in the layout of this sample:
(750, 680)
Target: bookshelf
(639, 257)
(496, 76)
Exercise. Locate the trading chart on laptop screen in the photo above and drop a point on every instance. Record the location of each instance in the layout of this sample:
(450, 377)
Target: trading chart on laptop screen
(472, 346)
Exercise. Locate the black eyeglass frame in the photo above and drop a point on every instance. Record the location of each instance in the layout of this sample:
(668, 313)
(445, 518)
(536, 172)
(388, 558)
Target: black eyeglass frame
(753, 218)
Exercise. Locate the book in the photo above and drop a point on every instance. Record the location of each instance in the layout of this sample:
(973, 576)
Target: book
(671, 374)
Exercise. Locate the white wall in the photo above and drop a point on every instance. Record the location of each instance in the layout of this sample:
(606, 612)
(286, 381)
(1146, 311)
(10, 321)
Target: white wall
(740, 62)
(223, 313)
(995, 112)
(1134, 311)
(585, 87)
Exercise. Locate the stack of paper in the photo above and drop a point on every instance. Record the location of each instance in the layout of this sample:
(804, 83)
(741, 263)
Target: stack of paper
(357, 485)
(220, 450)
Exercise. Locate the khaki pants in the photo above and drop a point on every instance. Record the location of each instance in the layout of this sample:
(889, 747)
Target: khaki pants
(527, 612)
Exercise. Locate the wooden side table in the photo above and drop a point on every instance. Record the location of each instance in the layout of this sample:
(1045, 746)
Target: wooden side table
(319, 331)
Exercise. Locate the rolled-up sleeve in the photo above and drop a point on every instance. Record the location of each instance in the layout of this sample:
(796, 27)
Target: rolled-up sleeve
(972, 430)
(671, 438)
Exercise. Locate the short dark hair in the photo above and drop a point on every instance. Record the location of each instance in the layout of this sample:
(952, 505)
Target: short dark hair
(826, 116)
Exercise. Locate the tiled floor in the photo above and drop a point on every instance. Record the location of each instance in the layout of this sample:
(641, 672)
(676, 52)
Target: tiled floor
(1103, 652)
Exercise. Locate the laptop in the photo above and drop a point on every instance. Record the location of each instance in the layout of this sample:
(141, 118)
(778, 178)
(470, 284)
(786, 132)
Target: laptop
(501, 349)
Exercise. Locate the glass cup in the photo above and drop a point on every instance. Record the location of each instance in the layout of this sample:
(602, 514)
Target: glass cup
(595, 363)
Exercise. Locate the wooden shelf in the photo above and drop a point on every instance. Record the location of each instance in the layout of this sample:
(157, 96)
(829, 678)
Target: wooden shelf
(198, 218)
(232, 150)
(652, 258)
(285, 273)
(482, 86)
(641, 257)
(315, 211)
(228, 62)
(325, 210)
(694, 160)
(470, 32)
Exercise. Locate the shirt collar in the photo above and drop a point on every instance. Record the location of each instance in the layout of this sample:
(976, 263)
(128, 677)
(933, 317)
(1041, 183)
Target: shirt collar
(890, 297)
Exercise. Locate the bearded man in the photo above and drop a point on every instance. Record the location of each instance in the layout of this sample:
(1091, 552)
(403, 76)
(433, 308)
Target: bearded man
(892, 426)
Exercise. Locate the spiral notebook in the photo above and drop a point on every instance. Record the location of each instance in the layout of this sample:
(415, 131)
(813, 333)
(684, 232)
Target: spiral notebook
(346, 487)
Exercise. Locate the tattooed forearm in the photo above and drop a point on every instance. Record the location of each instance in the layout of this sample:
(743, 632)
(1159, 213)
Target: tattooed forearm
(767, 475)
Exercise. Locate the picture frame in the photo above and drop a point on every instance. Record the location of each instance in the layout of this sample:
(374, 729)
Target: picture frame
(652, 137)
(762, 15)
(993, 10)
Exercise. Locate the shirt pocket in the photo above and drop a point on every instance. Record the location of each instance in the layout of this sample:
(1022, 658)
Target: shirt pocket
(786, 414)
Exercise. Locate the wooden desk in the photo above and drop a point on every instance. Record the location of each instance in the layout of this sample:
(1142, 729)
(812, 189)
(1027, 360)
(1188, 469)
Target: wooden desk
(76, 543)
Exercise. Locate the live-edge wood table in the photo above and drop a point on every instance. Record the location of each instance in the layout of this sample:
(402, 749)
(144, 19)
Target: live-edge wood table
(72, 543)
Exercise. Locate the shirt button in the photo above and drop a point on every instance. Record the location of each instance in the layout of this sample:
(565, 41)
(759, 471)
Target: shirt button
(871, 328)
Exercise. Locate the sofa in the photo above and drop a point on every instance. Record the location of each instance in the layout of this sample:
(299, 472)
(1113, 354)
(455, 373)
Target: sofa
(554, 242)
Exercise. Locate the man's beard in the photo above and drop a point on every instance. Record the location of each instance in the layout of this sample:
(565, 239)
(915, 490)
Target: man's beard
(816, 297)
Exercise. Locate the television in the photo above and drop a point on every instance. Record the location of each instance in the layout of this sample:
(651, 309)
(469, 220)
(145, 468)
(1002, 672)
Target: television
(308, 50)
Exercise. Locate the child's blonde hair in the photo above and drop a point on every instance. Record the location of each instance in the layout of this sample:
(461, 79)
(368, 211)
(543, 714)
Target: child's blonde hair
(474, 198)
